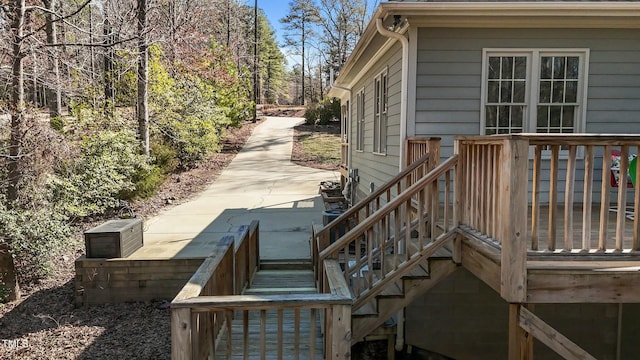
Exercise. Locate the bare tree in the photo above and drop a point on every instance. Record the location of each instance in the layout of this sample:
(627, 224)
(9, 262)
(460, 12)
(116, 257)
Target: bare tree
(302, 14)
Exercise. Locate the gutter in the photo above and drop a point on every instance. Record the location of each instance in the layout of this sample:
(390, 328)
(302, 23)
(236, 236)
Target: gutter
(403, 135)
(404, 91)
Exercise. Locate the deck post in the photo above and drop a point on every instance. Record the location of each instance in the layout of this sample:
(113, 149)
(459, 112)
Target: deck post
(513, 219)
(520, 342)
(340, 332)
(181, 345)
(458, 189)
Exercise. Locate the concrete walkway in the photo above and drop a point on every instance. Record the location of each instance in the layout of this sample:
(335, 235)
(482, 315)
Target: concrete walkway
(261, 183)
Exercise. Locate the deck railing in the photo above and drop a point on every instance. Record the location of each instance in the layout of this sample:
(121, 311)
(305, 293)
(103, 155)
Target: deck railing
(203, 313)
(363, 209)
(568, 184)
(548, 195)
(395, 237)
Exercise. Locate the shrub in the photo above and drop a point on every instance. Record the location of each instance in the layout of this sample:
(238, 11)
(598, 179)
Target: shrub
(36, 237)
(57, 123)
(329, 110)
(311, 114)
(93, 182)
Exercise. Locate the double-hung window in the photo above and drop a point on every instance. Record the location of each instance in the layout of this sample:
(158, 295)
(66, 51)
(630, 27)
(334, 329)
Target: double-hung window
(360, 120)
(381, 90)
(536, 91)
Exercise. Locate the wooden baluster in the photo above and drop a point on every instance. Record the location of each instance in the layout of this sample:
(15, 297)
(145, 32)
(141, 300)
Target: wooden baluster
(422, 231)
(553, 196)
(245, 333)
(605, 198)
(229, 322)
(587, 201)
(370, 262)
(447, 200)
(407, 229)
(280, 333)
(495, 191)
(296, 333)
(482, 186)
(312, 335)
(396, 237)
(263, 334)
(622, 196)
(568, 198)
(535, 197)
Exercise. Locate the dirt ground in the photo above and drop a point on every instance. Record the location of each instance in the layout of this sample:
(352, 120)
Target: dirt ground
(45, 324)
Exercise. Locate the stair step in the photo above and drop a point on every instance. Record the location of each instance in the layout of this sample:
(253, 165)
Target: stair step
(280, 290)
(286, 264)
(366, 310)
(392, 290)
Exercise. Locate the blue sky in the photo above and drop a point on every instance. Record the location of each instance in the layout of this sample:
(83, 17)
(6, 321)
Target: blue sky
(277, 9)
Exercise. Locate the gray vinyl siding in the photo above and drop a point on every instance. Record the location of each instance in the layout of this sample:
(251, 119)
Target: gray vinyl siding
(449, 76)
(376, 168)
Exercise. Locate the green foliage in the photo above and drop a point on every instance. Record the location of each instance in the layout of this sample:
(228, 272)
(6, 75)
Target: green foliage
(57, 123)
(191, 109)
(311, 114)
(323, 113)
(36, 237)
(329, 110)
(92, 183)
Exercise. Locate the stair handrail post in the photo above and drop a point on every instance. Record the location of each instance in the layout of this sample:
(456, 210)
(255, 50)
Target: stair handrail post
(458, 198)
(513, 218)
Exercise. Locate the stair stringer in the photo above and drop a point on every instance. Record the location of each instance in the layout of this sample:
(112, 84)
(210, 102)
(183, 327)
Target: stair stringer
(412, 287)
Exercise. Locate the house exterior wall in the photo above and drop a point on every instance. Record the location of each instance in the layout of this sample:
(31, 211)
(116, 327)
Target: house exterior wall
(450, 66)
(449, 80)
(463, 318)
(376, 168)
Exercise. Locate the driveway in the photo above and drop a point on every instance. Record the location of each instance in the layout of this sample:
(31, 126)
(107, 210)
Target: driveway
(261, 183)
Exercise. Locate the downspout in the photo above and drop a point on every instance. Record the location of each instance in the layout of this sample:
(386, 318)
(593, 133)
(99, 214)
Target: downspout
(404, 91)
(403, 135)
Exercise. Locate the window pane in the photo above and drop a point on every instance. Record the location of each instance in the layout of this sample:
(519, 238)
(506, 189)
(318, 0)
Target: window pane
(571, 92)
(490, 131)
(545, 67)
(545, 92)
(507, 67)
(494, 68)
(558, 67)
(493, 92)
(558, 91)
(567, 118)
(520, 71)
(517, 116)
(573, 63)
(554, 116)
(503, 119)
(492, 116)
(543, 118)
(505, 91)
(519, 90)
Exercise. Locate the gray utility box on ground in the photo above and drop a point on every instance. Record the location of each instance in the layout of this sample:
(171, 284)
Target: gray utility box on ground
(114, 239)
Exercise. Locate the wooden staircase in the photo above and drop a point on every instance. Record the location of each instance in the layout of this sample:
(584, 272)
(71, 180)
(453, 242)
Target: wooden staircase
(394, 245)
(399, 294)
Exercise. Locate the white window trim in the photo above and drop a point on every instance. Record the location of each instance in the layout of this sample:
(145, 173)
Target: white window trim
(359, 140)
(533, 55)
(377, 117)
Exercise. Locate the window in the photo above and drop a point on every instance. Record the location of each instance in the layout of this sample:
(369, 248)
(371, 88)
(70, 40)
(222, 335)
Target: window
(380, 113)
(360, 120)
(533, 91)
(344, 128)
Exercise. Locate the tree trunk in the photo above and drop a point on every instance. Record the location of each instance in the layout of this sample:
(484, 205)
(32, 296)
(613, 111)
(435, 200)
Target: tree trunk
(7, 266)
(303, 41)
(54, 94)
(143, 84)
(109, 95)
(9, 289)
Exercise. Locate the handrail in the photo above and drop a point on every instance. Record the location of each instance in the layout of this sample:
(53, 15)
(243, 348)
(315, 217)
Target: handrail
(385, 209)
(373, 196)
